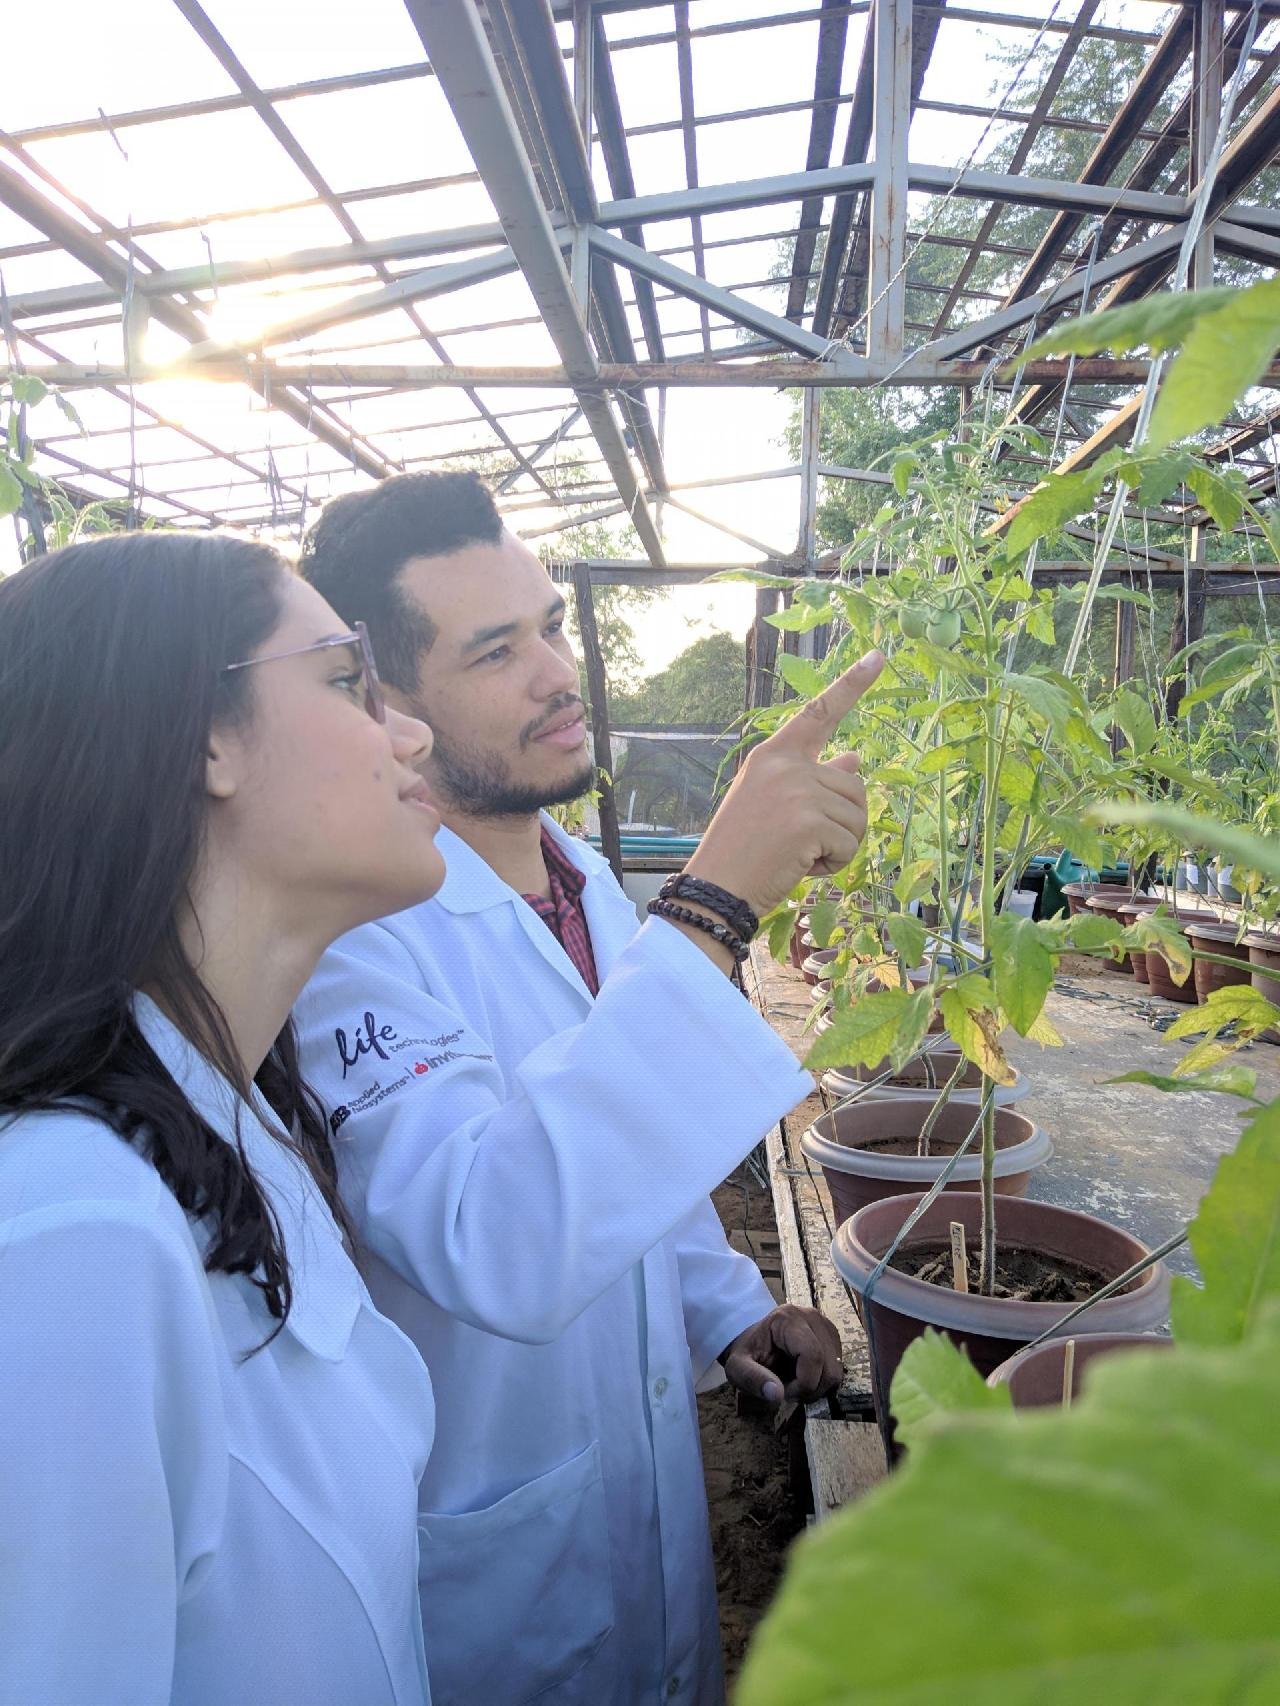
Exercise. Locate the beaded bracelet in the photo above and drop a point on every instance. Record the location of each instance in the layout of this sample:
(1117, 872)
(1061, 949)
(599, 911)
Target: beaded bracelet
(735, 912)
(684, 915)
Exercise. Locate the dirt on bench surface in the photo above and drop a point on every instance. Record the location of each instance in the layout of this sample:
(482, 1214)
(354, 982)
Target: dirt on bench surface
(754, 1513)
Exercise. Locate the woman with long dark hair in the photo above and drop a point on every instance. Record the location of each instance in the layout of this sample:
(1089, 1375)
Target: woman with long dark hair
(209, 1440)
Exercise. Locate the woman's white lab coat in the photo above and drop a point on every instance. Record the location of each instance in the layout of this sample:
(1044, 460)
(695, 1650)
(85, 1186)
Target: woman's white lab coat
(531, 1169)
(180, 1523)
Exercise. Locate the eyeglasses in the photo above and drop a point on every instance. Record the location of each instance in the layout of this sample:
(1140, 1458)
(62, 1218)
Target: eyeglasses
(374, 703)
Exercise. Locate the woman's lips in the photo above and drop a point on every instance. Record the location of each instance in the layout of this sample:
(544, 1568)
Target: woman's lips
(567, 734)
(421, 797)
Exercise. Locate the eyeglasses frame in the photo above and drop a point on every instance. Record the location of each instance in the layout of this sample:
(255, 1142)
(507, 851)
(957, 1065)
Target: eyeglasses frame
(374, 702)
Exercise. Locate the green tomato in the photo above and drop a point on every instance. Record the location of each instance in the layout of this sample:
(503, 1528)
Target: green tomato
(944, 629)
(912, 621)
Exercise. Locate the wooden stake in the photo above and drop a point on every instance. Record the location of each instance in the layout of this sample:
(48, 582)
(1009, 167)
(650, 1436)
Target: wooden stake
(1068, 1373)
(959, 1260)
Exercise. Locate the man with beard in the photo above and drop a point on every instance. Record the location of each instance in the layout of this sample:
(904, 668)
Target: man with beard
(531, 1099)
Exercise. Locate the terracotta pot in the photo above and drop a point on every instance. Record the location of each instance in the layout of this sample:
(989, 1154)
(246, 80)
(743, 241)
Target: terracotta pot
(1158, 971)
(1106, 897)
(1207, 938)
(1075, 895)
(815, 966)
(991, 1329)
(1264, 957)
(922, 1075)
(1034, 1376)
(1127, 913)
(867, 1150)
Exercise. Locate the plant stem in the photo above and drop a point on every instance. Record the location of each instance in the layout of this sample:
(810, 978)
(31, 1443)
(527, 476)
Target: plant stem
(944, 1096)
(994, 751)
(987, 1283)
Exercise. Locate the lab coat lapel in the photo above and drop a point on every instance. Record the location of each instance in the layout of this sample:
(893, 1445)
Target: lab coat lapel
(471, 885)
(327, 1291)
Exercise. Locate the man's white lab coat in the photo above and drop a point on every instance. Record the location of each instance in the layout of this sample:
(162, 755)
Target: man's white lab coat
(530, 1170)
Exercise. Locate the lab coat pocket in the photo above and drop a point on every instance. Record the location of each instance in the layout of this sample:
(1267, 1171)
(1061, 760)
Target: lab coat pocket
(518, 1596)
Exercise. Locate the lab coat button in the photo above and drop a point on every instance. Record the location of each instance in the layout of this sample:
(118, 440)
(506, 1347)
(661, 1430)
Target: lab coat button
(659, 1388)
(673, 1687)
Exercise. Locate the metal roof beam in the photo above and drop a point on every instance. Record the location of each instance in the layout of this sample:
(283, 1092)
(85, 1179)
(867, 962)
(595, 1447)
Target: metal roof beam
(91, 251)
(980, 333)
(1034, 122)
(834, 281)
(198, 18)
(416, 287)
(708, 296)
(833, 31)
(613, 145)
(1167, 59)
(715, 198)
(453, 35)
(551, 116)
(732, 369)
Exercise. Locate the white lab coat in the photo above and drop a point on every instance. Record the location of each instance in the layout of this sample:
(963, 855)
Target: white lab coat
(531, 1169)
(179, 1523)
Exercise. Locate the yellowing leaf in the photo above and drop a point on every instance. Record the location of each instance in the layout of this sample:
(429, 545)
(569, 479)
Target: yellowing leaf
(1159, 933)
(977, 1035)
(864, 1033)
(1042, 1032)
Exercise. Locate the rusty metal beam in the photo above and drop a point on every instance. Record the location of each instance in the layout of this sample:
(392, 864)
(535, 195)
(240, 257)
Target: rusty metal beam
(833, 30)
(781, 374)
(453, 34)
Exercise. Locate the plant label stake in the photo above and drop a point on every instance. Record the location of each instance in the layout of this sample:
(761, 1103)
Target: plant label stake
(959, 1260)
(1068, 1373)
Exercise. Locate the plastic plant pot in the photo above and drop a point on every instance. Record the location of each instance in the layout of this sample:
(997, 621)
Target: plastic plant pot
(1158, 977)
(1264, 958)
(922, 1075)
(1220, 939)
(1035, 1377)
(991, 1329)
(1127, 913)
(815, 967)
(867, 1150)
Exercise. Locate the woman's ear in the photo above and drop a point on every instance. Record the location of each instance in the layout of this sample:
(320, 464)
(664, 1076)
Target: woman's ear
(222, 766)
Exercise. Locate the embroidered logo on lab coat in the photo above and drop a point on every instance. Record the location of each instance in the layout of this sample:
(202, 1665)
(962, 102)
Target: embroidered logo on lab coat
(373, 1041)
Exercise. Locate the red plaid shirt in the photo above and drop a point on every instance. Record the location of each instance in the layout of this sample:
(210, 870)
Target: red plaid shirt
(563, 914)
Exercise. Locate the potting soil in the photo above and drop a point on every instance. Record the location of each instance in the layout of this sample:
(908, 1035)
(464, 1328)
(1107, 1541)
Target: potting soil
(1026, 1275)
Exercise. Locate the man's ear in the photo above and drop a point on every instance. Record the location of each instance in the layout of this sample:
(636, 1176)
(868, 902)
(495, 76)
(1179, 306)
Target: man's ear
(223, 764)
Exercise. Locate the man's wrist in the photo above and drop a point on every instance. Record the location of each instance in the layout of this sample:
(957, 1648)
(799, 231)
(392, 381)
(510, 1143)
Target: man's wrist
(715, 951)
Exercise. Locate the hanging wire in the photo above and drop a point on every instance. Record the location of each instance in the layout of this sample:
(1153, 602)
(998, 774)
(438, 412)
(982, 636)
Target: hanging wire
(1191, 236)
(843, 341)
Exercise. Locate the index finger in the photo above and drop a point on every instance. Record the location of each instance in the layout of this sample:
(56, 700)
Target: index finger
(813, 726)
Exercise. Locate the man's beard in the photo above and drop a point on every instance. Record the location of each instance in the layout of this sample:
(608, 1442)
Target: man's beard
(479, 782)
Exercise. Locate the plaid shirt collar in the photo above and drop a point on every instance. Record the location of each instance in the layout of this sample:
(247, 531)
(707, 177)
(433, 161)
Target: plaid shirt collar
(563, 913)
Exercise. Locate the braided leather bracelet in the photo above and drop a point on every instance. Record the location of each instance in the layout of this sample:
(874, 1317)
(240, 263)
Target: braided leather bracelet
(735, 912)
(670, 909)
